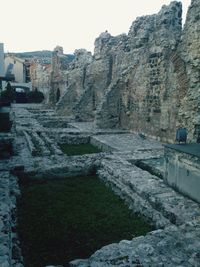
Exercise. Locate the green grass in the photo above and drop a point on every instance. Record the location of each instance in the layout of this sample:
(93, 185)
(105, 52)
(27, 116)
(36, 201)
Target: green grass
(80, 149)
(59, 221)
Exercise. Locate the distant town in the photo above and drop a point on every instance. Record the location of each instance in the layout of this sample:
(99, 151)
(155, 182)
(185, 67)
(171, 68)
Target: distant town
(28, 70)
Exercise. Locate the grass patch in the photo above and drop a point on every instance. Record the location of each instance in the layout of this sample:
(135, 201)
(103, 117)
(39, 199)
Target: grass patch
(59, 221)
(81, 149)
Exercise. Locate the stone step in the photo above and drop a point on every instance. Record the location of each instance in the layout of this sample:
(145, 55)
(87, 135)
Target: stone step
(30, 144)
(40, 144)
(54, 149)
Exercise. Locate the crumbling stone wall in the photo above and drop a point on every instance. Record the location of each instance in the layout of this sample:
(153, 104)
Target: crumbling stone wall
(59, 78)
(40, 77)
(148, 95)
(75, 85)
(189, 114)
(146, 81)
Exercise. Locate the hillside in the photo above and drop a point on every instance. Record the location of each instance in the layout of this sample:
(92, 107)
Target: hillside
(44, 54)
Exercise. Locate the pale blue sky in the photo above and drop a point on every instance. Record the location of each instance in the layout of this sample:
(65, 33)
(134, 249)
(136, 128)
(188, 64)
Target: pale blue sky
(29, 25)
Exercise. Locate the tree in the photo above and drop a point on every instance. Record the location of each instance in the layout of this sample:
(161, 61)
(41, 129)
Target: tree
(8, 95)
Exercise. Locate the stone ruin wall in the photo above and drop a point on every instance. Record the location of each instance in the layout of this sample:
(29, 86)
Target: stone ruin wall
(146, 81)
(189, 112)
(141, 97)
(40, 77)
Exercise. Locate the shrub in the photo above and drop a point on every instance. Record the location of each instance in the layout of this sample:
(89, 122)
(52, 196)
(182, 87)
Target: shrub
(8, 95)
(35, 96)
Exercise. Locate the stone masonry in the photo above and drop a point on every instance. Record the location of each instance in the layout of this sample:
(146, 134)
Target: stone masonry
(189, 112)
(135, 88)
(145, 81)
(176, 242)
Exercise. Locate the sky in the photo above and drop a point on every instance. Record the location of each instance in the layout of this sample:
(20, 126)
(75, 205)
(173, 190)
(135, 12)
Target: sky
(30, 25)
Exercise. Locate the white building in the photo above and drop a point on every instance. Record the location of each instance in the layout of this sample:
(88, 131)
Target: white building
(16, 67)
(2, 65)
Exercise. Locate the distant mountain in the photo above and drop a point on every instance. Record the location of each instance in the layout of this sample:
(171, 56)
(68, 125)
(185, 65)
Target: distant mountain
(44, 55)
(34, 54)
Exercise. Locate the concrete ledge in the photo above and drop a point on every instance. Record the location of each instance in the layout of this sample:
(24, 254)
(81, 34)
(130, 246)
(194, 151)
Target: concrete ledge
(182, 169)
(192, 149)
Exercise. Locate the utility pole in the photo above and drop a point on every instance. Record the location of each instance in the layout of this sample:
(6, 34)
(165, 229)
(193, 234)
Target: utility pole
(2, 65)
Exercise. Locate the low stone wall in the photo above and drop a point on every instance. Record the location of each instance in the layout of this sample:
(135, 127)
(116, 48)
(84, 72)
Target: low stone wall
(71, 139)
(177, 218)
(148, 195)
(67, 167)
(175, 245)
(10, 253)
(101, 145)
(171, 247)
(145, 194)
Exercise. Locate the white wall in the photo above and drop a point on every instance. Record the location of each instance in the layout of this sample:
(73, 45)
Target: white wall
(182, 172)
(18, 68)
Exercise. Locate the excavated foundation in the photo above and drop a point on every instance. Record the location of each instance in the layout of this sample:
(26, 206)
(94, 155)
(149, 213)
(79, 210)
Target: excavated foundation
(36, 155)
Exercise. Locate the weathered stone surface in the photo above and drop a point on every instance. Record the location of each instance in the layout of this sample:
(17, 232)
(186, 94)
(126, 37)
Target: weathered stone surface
(135, 81)
(8, 193)
(140, 97)
(40, 75)
(189, 114)
(125, 142)
(177, 240)
(150, 250)
(158, 202)
(146, 81)
(74, 80)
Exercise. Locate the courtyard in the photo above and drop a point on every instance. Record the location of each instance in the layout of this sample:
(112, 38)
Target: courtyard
(37, 157)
